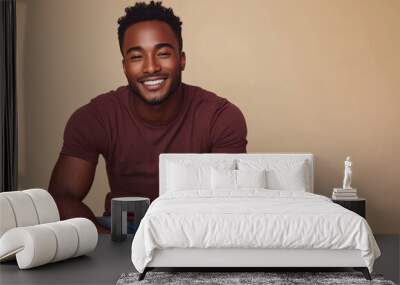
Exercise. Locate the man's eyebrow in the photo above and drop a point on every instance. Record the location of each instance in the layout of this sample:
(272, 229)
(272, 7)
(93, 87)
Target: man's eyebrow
(161, 45)
(133, 49)
(158, 46)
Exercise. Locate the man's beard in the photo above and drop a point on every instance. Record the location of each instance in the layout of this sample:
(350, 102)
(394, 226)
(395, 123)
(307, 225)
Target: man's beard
(157, 101)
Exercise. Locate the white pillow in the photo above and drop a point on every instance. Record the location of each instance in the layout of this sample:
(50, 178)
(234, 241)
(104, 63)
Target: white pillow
(281, 174)
(236, 179)
(183, 178)
(251, 178)
(288, 179)
(223, 179)
(193, 174)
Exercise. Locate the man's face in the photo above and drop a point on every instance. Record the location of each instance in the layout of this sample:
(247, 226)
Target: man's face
(152, 61)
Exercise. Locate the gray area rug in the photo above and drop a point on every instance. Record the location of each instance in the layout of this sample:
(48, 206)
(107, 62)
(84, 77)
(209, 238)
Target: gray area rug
(273, 278)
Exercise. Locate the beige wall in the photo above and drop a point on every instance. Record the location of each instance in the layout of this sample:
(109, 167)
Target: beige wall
(315, 76)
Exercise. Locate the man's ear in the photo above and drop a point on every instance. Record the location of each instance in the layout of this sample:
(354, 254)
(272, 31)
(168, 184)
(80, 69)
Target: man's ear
(183, 60)
(123, 65)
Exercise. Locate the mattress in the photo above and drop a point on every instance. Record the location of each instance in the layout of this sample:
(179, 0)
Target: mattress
(251, 219)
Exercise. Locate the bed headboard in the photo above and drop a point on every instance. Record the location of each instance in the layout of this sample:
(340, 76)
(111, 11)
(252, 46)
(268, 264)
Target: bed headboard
(166, 157)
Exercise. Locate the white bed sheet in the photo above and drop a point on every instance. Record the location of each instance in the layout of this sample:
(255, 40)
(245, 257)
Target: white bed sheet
(250, 218)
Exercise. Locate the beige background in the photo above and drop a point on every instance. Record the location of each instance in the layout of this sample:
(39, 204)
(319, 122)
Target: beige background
(315, 76)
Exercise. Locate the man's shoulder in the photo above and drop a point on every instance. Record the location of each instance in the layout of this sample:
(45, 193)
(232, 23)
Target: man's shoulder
(207, 100)
(102, 106)
(196, 92)
(200, 96)
(225, 122)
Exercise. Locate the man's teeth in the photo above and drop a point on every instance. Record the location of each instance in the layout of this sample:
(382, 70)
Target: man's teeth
(154, 82)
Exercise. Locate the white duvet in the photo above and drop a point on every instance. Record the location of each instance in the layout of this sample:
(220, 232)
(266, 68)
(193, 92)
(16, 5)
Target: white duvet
(250, 218)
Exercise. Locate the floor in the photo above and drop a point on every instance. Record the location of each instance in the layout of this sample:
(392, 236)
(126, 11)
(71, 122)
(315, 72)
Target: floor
(110, 260)
(389, 262)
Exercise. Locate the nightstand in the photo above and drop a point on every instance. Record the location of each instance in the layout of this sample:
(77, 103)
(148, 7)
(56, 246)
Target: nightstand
(357, 205)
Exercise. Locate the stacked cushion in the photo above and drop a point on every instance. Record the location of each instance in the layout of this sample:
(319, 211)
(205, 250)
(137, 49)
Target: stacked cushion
(7, 218)
(37, 245)
(26, 208)
(31, 231)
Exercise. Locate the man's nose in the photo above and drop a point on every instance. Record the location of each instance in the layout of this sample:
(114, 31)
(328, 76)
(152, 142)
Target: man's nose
(151, 65)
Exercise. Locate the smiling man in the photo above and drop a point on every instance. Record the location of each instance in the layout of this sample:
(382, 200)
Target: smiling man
(155, 113)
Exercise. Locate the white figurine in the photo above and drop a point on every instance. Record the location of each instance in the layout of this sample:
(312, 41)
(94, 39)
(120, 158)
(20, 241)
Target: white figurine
(347, 174)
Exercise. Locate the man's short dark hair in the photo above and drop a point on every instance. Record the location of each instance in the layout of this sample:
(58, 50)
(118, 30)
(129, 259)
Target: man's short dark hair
(149, 12)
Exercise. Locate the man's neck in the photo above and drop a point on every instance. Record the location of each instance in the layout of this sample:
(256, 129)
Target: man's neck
(159, 114)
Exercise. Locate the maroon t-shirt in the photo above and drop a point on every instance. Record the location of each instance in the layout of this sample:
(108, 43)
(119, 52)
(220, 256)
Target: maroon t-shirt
(109, 126)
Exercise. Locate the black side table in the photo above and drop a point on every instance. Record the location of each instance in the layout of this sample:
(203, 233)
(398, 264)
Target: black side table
(119, 214)
(357, 205)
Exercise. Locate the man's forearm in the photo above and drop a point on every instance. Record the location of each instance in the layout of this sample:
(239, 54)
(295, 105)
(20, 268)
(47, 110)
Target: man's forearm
(69, 207)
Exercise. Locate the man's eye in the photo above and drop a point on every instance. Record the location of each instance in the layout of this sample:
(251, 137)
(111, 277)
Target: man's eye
(135, 57)
(164, 54)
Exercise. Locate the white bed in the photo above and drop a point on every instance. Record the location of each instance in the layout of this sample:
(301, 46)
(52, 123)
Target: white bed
(201, 220)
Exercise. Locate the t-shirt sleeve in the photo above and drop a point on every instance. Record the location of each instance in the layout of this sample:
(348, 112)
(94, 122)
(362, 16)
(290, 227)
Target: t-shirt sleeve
(84, 135)
(229, 131)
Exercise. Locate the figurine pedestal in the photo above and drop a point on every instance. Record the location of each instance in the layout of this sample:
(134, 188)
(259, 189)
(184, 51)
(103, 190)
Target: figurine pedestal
(344, 194)
(346, 190)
